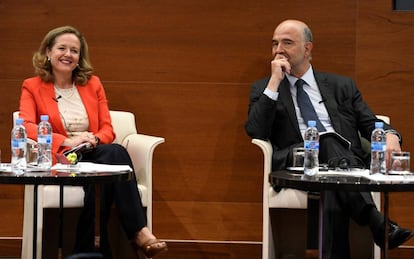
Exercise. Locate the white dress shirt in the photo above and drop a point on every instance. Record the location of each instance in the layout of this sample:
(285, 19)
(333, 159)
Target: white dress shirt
(312, 89)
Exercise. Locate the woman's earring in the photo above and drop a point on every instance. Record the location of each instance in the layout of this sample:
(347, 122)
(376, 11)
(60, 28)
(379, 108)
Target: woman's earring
(48, 58)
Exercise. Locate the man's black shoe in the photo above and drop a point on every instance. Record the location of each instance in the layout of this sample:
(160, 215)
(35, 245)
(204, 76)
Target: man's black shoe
(396, 236)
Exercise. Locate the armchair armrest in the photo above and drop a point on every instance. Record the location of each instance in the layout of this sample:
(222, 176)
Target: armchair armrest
(285, 198)
(141, 149)
(267, 150)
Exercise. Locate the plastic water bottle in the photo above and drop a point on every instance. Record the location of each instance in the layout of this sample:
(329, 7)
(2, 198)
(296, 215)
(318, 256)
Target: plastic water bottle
(18, 146)
(44, 143)
(378, 148)
(311, 145)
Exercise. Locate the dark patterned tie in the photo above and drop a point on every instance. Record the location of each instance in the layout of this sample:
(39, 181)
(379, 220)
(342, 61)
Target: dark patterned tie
(305, 106)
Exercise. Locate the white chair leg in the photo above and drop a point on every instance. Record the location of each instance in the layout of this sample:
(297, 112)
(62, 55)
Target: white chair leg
(376, 196)
(268, 248)
(27, 242)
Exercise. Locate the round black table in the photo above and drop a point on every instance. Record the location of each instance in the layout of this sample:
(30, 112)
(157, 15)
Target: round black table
(340, 180)
(61, 178)
(352, 182)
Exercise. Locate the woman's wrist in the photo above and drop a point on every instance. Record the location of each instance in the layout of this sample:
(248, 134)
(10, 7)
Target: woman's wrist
(97, 140)
(68, 142)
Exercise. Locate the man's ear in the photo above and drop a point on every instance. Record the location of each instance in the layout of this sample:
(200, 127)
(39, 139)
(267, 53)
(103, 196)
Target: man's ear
(308, 48)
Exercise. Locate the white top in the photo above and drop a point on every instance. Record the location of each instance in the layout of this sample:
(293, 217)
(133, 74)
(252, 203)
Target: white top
(71, 110)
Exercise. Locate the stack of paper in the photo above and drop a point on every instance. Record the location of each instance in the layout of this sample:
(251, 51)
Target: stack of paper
(88, 167)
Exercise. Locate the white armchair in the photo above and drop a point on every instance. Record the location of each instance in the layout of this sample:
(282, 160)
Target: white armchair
(140, 148)
(284, 200)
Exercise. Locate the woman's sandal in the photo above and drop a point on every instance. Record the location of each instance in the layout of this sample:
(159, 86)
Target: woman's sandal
(152, 247)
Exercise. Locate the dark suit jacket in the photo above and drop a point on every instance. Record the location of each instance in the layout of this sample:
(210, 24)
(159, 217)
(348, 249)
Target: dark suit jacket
(276, 120)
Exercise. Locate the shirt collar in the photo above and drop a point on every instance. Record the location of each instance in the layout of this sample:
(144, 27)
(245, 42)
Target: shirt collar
(308, 77)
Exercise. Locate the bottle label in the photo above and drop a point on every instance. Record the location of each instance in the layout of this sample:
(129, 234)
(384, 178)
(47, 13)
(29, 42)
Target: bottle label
(44, 139)
(311, 145)
(19, 143)
(378, 146)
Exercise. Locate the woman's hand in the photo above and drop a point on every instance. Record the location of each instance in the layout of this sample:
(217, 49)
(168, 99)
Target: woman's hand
(84, 137)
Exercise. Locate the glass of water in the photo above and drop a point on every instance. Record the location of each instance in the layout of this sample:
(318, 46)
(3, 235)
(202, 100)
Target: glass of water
(400, 162)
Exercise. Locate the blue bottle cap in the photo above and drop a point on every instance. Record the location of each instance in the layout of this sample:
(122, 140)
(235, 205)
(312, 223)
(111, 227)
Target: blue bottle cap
(19, 121)
(44, 117)
(311, 123)
(379, 124)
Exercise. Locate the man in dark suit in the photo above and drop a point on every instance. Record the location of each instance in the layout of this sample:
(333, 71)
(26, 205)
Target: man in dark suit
(274, 115)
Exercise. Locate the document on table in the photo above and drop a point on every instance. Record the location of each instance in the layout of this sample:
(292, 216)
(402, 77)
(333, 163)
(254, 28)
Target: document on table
(392, 177)
(89, 167)
(405, 177)
(352, 172)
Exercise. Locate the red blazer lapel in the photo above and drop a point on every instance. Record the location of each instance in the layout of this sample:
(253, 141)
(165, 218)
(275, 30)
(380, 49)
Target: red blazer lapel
(89, 99)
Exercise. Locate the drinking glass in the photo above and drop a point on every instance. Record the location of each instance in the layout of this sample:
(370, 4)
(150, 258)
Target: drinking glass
(298, 156)
(400, 162)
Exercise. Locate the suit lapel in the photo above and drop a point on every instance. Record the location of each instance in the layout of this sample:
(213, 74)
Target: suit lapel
(285, 97)
(90, 102)
(328, 96)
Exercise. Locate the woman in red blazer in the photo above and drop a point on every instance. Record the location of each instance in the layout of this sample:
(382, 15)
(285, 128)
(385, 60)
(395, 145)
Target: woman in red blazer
(75, 101)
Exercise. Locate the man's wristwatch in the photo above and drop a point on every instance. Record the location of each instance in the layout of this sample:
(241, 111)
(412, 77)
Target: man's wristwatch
(97, 140)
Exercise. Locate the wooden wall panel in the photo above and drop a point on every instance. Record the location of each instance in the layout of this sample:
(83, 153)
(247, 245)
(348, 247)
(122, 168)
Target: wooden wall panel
(187, 184)
(385, 75)
(185, 68)
(11, 210)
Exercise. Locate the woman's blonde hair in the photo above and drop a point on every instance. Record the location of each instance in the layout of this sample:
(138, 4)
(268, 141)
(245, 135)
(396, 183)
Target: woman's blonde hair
(81, 74)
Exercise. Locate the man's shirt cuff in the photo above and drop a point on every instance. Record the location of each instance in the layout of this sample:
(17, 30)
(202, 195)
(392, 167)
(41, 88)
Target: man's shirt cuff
(272, 95)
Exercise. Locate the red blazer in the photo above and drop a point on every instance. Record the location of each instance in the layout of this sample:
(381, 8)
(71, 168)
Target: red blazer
(38, 98)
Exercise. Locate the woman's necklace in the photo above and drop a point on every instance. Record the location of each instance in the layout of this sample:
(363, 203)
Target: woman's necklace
(65, 92)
